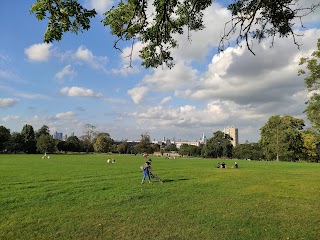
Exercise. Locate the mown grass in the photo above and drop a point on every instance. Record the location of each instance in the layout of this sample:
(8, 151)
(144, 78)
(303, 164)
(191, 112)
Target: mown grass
(82, 197)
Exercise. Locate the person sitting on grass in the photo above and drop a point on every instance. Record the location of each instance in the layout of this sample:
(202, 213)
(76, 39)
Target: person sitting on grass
(235, 165)
(219, 165)
(223, 165)
(146, 171)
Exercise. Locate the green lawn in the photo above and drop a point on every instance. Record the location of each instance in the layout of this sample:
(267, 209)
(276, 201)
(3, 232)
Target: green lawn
(83, 197)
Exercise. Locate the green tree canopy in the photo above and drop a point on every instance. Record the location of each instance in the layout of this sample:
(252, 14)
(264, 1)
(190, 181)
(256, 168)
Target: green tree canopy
(4, 137)
(102, 143)
(310, 140)
(44, 130)
(15, 143)
(129, 21)
(248, 151)
(28, 134)
(312, 82)
(218, 146)
(281, 138)
(189, 150)
(144, 146)
(72, 144)
(46, 143)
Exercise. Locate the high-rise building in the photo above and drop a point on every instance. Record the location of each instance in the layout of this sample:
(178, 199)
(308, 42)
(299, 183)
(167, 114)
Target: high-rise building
(57, 135)
(233, 133)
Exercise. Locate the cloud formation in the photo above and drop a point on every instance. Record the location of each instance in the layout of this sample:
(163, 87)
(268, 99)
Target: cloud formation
(39, 52)
(137, 93)
(65, 115)
(101, 6)
(79, 92)
(67, 71)
(10, 118)
(8, 102)
(84, 55)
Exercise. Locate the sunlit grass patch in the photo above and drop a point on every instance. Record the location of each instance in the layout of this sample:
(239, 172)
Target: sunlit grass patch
(83, 197)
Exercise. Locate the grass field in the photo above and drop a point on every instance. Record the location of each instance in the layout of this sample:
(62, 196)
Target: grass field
(82, 197)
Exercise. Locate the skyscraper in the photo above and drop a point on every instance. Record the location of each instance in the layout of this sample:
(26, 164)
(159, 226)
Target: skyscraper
(233, 133)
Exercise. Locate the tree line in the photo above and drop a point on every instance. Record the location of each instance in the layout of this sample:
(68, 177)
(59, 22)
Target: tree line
(282, 139)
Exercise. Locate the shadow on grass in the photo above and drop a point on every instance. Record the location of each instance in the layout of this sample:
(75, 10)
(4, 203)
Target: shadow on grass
(175, 180)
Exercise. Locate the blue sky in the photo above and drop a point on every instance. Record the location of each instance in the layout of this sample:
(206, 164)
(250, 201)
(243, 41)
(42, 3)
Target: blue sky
(84, 80)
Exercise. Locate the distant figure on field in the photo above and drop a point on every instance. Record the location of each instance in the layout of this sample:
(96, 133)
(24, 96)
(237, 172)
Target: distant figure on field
(219, 165)
(146, 168)
(236, 165)
(223, 165)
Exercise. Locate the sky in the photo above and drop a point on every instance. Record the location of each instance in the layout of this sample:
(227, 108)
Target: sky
(82, 79)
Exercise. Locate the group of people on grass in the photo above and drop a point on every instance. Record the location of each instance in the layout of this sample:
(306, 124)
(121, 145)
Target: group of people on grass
(223, 165)
(146, 169)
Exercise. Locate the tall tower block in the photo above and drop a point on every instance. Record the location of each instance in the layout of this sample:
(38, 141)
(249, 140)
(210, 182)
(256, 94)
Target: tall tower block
(233, 132)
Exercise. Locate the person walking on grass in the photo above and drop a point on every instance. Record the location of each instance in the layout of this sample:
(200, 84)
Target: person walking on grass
(146, 170)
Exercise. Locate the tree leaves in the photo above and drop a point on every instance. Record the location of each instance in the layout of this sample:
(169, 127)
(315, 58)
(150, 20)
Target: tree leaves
(312, 82)
(63, 16)
(129, 21)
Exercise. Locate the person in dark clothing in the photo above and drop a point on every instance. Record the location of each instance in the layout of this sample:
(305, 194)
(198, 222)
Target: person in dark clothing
(146, 171)
(223, 165)
(236, 165)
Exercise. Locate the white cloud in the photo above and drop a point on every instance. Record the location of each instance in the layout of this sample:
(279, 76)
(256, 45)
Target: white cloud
(8, 102)
(179, 77)
(79, 92)
(129, 56)
(31, 95)
(138, 93)
(165, 100)
(65, 72)
(239, 76)
(198, 48)
(84, 55)
(125, 70)
(9, 118)
(65, 115)
(101, 6)
(39, 52)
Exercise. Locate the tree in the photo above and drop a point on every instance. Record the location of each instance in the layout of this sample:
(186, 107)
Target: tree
(171, 147)
(44, 130)
(144, 146)
(86, 144)
(281, 138)
(122, 147)
(129, 21)
(72, 144)
(102, 143)
(89, 133)
(218, 146)
(61, 146)
(46, 143)
(248, 151)
(4, 137)
(310, 140)
(184, 149)
(28, 134)
(189, 150)
(15, 143)
(312, 82)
